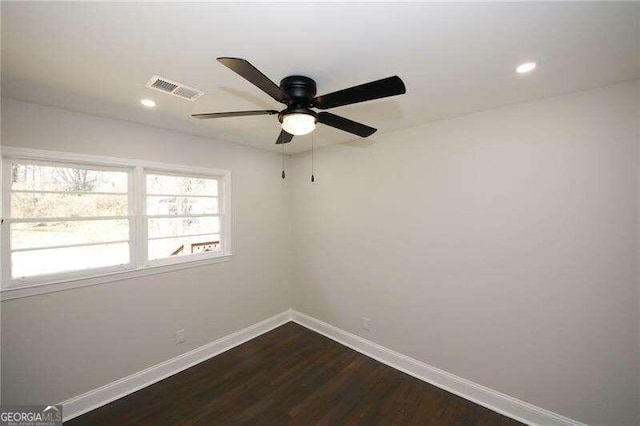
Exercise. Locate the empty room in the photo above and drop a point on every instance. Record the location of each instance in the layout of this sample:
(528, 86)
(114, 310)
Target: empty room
(354, 213)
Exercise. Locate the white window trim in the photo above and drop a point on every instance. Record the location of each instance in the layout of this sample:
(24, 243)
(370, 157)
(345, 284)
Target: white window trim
(139, 266)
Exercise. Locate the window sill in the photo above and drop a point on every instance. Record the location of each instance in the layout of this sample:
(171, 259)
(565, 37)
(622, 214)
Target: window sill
(50, 287)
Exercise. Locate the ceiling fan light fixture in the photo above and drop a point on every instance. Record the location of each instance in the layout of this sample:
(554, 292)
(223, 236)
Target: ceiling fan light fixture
(298, 124)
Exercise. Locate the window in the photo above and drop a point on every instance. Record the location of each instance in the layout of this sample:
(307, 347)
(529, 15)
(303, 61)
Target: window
(66, 220)
(182, 215)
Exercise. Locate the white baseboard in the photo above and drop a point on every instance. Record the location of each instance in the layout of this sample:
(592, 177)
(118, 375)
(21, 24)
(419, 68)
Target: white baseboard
(103, 395)
(496, 401)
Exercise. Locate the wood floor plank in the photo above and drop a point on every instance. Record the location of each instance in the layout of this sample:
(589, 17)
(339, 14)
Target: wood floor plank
(292, 376)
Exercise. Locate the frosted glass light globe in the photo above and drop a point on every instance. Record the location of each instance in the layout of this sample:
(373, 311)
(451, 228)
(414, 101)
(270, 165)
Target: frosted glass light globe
(298, 124)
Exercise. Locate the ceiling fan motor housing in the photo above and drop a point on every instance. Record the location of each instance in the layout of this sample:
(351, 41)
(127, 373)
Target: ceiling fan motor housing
(300, 89)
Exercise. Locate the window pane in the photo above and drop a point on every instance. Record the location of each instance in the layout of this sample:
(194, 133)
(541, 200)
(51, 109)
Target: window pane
(33, 177)
(176, 185)
(181, 205)
(39, 262)
(46, 234)
(183, 246)
(41, 205)
(183, 226)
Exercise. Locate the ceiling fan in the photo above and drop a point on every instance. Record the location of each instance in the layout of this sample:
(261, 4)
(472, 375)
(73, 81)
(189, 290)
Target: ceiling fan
(298, 93)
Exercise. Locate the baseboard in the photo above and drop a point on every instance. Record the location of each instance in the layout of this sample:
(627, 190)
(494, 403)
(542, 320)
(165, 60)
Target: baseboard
(103, 395)
(496, 401)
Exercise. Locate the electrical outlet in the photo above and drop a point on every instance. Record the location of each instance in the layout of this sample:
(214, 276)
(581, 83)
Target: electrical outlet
(180, 336)
(366, 323)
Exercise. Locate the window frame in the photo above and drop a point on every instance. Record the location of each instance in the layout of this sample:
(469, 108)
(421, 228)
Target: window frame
(139, 264)
(144, 255)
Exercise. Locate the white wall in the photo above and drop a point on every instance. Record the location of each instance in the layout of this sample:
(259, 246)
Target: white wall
(59, 345)
(501, 247)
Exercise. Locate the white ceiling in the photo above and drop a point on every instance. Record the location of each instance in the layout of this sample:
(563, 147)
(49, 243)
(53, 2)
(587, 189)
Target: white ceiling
(455, 58)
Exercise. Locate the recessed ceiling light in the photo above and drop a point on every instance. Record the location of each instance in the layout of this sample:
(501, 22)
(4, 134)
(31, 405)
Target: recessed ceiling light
(148, 103)
(526, 67)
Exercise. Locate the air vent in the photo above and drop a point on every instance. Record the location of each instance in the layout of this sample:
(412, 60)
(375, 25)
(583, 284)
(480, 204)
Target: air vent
(165, 85)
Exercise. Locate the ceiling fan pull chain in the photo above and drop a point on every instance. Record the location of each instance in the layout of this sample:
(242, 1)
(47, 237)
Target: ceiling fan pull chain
(313, 178)
(283, 174)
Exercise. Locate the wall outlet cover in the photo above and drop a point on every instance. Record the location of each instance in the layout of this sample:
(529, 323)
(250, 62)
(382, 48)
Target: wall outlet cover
(366, 323)
(180, 336)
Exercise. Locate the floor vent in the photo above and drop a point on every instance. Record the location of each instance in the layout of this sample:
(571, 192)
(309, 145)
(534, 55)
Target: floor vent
(171, 87)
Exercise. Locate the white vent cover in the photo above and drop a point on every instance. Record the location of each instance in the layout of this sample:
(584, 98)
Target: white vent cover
(165, 85)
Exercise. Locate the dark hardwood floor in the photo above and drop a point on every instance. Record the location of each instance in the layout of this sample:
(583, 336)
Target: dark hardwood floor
(292, 375)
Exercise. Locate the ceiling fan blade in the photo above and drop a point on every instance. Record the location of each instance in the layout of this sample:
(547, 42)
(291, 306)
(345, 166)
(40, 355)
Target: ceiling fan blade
(389, 86)
(345, 124)
(235, 114)
(284, 137)
(253, 75)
